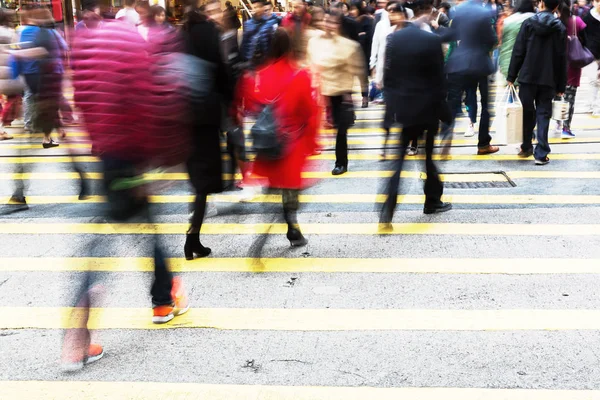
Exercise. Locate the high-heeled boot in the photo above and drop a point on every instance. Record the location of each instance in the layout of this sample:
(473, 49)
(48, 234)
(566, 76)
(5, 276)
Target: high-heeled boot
(193, 246)
(293, 234)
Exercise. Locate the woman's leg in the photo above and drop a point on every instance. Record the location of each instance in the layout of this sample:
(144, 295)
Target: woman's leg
(192, 241)
(290, 208)
(570, 95)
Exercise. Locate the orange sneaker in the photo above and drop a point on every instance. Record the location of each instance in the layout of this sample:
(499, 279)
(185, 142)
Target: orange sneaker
(182, 304)
(162, 314)
(165, 313)
(95, 352)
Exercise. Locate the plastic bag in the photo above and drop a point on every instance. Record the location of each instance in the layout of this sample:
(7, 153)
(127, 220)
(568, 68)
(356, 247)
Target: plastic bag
(509, 118)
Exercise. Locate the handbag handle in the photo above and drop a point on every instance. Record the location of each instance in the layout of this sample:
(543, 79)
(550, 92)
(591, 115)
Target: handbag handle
(574, 25)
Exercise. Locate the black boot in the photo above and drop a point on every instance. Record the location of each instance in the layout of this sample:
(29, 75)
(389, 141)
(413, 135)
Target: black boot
(85, 191)
(293, 234)
(193, 246)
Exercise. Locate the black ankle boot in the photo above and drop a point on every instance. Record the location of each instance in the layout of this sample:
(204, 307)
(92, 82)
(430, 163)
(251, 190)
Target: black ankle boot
(193, 246)
(295, 237)
(85, 191)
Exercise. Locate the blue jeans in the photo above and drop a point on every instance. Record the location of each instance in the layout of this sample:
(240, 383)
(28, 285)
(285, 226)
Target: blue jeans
(28, 109)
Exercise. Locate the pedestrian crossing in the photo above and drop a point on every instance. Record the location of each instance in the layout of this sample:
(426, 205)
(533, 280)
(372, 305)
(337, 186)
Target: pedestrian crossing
(494, 300)
(517, 266)
(278, 319)
(145, 390)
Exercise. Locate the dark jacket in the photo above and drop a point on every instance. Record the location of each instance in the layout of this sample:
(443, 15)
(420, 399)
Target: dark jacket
(350, 28)
(592, 32)
(257, 39)
(205, 164)
(472, 28)
(203, 40)
(539, 56)
(366, 26)
(414, 79)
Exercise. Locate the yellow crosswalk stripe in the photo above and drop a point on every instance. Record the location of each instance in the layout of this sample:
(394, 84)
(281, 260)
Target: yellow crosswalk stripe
(97, 390)
(351, 156)
(325, 141)
(513, 266)
(336, 198)
(466, 177)
(178, 176)
(282, 319)
(308, 228)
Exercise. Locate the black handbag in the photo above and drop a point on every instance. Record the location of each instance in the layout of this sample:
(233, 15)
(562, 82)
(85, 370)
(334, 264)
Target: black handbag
(268, 143)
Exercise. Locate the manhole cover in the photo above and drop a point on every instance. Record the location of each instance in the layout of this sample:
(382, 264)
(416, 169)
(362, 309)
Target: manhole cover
(477, 185)
(478, 180)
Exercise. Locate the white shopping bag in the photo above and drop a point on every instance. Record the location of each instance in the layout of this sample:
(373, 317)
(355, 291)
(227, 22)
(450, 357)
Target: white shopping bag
(508, 123)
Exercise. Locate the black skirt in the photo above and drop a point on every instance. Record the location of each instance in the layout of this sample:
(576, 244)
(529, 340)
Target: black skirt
(205, 165)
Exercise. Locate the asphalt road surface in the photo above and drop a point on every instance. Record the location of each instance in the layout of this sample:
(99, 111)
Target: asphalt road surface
(496, 299)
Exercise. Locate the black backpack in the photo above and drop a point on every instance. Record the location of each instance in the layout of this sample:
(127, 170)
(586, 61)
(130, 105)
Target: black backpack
(268, 143)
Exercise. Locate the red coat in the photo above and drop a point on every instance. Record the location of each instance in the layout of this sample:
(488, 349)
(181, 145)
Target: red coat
(297, 113)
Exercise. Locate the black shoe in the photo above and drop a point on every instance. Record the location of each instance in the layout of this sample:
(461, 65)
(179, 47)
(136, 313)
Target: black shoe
(339, 170)
(50, 144)
(437, 208)
(296, 238)
(17, 203)
(84, 193)
(193, 246)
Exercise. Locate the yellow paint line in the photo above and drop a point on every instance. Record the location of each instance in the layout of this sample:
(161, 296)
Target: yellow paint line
(182, 176)
(178, 176)
(325, 141)
(338, 199)
(38, 146)
(280, 319)
(512, 266)
(351, 156)
(49, 159)
(96, 390)
(309, 228)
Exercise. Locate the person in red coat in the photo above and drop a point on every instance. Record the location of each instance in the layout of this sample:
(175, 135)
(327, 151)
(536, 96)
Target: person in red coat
(297, 114)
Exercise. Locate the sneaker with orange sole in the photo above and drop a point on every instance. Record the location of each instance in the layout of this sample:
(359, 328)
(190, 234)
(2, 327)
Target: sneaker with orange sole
(74, 364)
(165, 313)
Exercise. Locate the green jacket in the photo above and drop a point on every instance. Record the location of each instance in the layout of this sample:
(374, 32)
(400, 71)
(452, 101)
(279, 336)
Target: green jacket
(512, 26)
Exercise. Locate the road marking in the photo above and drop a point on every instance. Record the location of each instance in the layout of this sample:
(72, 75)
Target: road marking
(466, 177)
(179, 176)
(336, 198)
(326, 140)
(354, 157)
(308, 228)
(512, 266)
(282, 319)
(96, 390)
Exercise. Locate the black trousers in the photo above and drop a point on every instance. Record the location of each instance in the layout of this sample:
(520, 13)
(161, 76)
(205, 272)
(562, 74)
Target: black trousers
(126, 204)
(537, 110)
(342, 114)
(457, 84)
(433, 185)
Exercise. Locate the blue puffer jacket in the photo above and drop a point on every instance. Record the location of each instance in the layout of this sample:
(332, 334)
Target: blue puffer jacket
(257, 39)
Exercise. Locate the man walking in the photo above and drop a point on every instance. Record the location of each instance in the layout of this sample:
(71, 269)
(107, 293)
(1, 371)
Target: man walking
(415, 90)
(539, 61)
(470, 64)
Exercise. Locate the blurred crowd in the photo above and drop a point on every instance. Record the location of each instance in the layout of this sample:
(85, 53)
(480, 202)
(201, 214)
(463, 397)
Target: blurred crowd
(152, 95)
